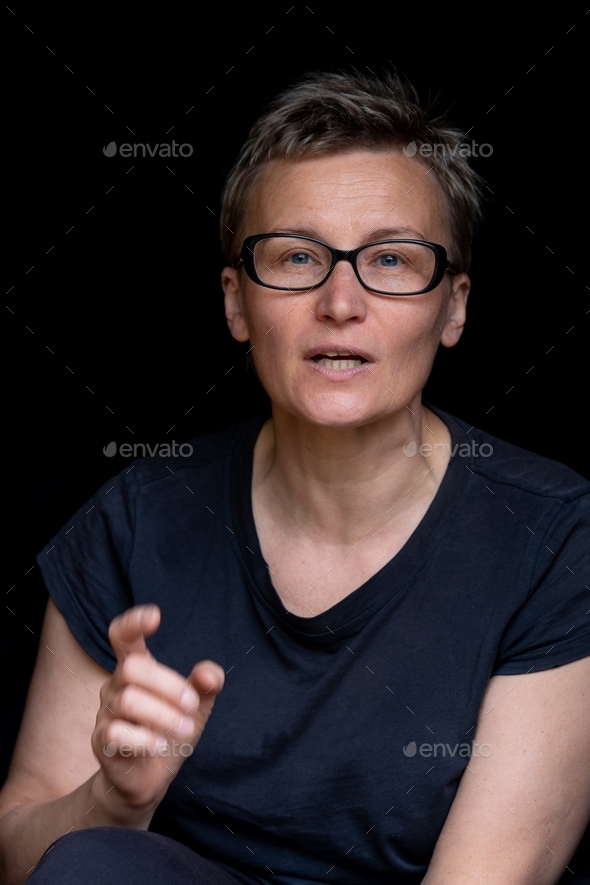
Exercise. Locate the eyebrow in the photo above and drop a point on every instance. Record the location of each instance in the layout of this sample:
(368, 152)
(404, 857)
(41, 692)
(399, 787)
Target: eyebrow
(382, 233)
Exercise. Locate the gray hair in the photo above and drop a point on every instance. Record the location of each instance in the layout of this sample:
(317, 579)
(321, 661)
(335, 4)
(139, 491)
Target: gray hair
(327, 113)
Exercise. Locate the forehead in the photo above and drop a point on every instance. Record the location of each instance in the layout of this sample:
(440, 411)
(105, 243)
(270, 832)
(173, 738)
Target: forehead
(349, 197)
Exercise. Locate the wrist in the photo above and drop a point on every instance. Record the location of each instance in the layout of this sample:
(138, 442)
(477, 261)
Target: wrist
(110, 808)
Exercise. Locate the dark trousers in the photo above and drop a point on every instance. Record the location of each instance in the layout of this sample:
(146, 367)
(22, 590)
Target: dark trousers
(121, 856)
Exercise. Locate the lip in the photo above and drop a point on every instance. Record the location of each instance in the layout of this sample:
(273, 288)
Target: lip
(332, 346)
(339, 374)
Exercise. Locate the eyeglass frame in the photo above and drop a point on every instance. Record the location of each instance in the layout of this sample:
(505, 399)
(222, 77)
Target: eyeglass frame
(441, 266)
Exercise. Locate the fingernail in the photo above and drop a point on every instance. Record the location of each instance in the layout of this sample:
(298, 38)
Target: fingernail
(189, 699)
(186, 726)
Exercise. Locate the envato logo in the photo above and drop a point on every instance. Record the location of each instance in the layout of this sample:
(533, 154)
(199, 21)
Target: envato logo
(163, 750)
(429, 750)
(448, 150)
(465, 450)
(162, 150)
(164, 450)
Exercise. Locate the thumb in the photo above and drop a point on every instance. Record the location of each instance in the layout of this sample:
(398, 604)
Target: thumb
(207, 678)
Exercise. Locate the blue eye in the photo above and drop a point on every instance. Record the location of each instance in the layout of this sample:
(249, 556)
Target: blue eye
(300, 258)
(388, 260)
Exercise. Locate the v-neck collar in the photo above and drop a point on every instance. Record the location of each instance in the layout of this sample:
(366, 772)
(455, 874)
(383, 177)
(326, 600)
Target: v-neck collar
(346, 616)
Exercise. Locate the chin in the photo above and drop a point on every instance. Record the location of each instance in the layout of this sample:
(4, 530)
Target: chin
(338, 412)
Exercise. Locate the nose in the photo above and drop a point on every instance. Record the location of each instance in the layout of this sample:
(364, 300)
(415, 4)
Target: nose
(341, 298)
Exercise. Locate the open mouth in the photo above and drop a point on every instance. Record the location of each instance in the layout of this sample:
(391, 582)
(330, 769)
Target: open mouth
(338, 360)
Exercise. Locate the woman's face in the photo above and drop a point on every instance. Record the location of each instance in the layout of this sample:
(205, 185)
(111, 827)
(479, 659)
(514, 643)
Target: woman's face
(345, 200)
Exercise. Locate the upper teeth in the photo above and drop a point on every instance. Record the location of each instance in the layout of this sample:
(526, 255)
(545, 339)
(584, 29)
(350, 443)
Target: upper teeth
(330, 361)
(333, 353)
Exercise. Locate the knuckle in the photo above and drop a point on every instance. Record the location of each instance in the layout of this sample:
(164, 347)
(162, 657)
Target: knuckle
(106, 735)
(166, 718)
(190, 702)
(129, 699)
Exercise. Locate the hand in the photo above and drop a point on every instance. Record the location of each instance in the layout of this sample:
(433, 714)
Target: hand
(150, 717)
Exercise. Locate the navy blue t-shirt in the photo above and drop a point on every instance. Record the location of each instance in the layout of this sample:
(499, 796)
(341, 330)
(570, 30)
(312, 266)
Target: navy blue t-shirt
(312, 766)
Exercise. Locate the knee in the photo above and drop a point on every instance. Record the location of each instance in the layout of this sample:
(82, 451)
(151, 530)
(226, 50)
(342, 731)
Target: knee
(93, 856)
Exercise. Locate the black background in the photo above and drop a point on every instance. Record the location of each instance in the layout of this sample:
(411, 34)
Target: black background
(119, 325)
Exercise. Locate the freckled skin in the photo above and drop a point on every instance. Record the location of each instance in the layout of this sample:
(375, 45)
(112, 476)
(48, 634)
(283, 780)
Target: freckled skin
(329, 464)
(342, 198)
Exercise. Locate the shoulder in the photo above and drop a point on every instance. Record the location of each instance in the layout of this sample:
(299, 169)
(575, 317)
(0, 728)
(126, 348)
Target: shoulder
(161, 479)
(201, 454)
(508, 465)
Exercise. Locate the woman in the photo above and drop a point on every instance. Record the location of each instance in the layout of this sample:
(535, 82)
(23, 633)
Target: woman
(384, 594)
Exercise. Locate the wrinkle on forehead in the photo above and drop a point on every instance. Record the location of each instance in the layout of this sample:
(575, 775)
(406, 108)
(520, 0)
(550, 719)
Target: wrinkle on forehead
(346, 195)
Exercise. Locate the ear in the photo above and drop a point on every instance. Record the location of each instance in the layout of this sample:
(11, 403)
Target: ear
(234, 311)
(456, 310)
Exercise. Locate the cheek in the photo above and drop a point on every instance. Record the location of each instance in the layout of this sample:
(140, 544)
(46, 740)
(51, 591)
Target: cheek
(265, 325)
(413, 339)
(255, 308)
(414, 326)
(270, 323)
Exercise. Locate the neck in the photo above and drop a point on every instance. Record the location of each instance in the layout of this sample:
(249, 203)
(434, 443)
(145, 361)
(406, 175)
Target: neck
(333, 484)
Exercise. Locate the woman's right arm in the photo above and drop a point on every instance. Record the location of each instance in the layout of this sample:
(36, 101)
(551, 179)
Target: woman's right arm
(60, 779)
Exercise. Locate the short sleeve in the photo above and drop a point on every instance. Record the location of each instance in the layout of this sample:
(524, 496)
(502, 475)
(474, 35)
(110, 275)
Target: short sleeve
(85, 566)
(552, 627)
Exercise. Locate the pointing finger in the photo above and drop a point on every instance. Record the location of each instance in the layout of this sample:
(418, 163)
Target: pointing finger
(127, 631)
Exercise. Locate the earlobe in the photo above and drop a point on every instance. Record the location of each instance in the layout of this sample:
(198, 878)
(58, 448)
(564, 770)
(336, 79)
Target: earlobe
(230, 282)
(457, 310)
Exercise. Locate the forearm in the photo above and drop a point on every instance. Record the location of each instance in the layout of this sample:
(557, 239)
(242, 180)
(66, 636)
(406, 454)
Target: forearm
(31, 827)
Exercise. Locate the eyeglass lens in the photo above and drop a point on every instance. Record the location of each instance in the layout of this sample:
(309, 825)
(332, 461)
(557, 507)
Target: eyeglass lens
(294, 263)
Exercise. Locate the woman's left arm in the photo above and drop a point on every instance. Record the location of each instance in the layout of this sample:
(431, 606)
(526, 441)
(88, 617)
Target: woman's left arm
(521, 809)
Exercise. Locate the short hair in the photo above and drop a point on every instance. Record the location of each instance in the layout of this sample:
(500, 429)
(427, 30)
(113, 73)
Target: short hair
(331, 113)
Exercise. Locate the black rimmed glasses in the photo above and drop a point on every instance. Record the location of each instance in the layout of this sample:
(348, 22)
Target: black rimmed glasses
(387, 267)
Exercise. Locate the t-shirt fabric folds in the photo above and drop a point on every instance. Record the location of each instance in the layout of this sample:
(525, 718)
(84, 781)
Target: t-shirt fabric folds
(312, 766)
